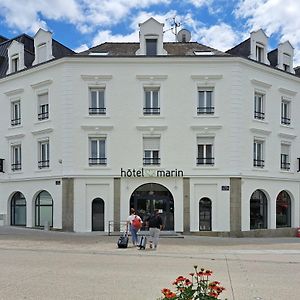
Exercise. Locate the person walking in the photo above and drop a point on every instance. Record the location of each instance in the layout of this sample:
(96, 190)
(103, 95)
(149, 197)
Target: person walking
(134, 223)
(155, 224)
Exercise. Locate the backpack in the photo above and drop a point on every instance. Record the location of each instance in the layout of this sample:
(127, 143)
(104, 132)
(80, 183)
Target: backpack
(136, 223)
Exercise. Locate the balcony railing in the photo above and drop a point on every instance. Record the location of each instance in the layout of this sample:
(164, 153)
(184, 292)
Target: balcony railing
(15, 122)
(97, 110)
(285, 165)
(151, 161)
(210, 161)
(259, 115)
(16, 167)
(43, 164)
(43, 116)
(94, 161)
(258, 163)
(208, 110)
(1, 165)
(151, 110)
(285, 121)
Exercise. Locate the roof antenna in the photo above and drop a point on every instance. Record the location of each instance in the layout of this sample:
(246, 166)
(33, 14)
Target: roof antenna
(174, 26)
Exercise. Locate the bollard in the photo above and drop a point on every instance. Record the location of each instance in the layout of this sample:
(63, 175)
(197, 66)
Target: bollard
(298, 232)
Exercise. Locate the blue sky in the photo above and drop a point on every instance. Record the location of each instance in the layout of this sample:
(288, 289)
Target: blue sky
(222, 24)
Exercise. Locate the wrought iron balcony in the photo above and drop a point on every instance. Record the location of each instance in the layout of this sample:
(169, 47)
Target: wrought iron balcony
(97, 110)
(94, 161)
(259, 115)
(151, 110)
(285, 121)
(15, 122)
(16, 167)
(151, 161)
(258, 163)
(210, 161)
(1, 165)
(43, 116)
(43, 164)
(207, 110)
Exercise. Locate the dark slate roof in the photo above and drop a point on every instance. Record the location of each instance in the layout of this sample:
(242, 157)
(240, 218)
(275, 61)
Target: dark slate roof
(273, 57)
(297, 71)
(58, 51)
(129, 49)
(242, 49)
(2, 39)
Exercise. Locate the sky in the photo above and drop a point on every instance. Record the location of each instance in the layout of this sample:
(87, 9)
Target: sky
(221, 24)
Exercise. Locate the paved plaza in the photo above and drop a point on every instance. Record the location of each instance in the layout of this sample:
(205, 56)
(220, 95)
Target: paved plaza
(39, 264)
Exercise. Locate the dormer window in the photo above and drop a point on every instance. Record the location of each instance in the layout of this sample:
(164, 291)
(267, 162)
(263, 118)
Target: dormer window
(15, 63)
(41, 52)
(151, 46)
(260, 52)
(286, 62)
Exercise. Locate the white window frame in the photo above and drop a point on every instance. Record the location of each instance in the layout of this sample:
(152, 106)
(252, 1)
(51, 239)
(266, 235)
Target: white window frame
(205, 110)
(151, 155)
(40, 48)
(154, 38)
(206, 142)
(15, 112)
(43, 111)
(151, 109)
(16, 157)
(285, 111)
(44, 153)
(260, 52)
(15, 63)
(285, 158)
(98, 109)
(259, 156)
(101, 158)
(259, 105)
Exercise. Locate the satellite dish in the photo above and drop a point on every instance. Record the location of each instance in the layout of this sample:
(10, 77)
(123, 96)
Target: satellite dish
(183, 36)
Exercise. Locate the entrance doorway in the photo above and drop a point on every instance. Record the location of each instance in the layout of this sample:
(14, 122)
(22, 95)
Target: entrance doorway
(98, 215)
(150, 196)
(205, 214)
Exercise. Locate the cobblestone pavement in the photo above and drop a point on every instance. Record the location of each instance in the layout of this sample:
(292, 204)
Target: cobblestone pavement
(39, 264)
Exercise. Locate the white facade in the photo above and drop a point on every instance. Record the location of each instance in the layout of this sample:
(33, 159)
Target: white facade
(69, 127)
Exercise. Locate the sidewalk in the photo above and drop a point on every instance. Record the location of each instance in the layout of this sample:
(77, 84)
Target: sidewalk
(57, 265)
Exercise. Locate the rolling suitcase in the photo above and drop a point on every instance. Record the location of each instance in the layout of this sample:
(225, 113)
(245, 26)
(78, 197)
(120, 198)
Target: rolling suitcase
(142, 242)
(123, 241)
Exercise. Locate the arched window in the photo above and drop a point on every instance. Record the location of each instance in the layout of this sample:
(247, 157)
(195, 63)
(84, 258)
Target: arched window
(18, 210)
(150, 196)
(98, 215)
(43, 209)
(205, 214)
(258, 210)
(283, 210)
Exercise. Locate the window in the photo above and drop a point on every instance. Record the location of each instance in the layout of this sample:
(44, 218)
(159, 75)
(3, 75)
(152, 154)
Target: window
(15, 113)
(151, 151)
(97, 154)
(41, 53)
(15, 63)
(43, 154)
(258, 210)
(1, 165)
(259, 106)
(151, 105)
(285, 157)
(283, 210)
(43, 209)
(285, 111)
(151, 46)
(260, 53)
(258, 154)
(205, 151)
(97, 104)
(286, 62)
(205, 102)
(43, 107)
(16, 159)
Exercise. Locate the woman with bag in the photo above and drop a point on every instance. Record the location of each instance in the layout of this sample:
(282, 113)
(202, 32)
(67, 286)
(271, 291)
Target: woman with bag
(134, 223)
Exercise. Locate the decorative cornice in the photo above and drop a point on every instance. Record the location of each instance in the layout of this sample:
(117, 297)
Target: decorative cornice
(206, 77)
(206, 128)
(261, 83)
(14, 92)
(287, 135)
(15, 136)
(260, 131)
(97, 128)
(96, 78)
(152, 129)
(42, 131)
(41, 84)
(287, 92)
(151, 77)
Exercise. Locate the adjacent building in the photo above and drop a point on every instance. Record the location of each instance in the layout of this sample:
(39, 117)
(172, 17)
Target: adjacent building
(209, 138)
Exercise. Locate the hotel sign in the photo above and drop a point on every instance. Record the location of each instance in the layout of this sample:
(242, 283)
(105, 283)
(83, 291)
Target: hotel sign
(150, 173)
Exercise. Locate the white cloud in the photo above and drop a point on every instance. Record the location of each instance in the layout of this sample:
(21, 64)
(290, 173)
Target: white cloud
(81, 48)
(221, 37)
(107, 36)
(274, 16)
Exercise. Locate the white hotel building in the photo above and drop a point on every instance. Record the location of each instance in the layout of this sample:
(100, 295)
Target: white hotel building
(209, 138)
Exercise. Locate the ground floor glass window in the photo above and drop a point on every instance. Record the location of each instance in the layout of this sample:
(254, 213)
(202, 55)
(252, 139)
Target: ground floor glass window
(43, 209)
(205, 214)
(18, 210)
(258, 210)
(283, 210)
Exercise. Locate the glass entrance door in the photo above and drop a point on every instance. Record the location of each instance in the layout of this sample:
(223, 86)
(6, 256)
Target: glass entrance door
(98, 215)
(149, 197)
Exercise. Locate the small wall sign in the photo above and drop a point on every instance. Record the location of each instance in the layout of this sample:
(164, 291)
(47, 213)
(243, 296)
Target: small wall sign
(225, 187)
